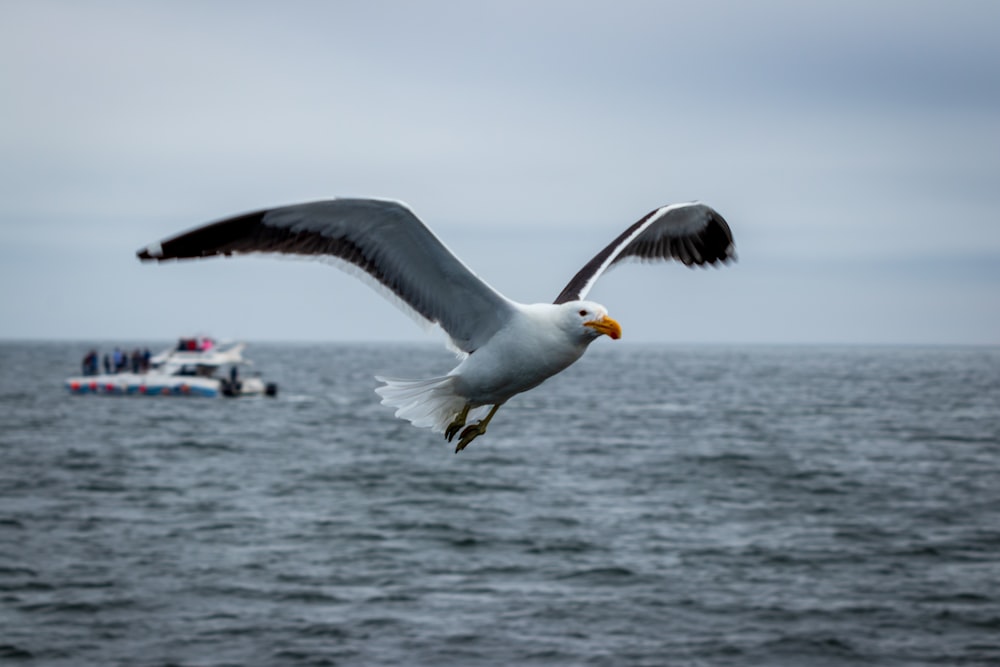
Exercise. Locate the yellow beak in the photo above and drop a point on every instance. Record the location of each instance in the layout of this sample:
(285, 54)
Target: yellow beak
(606, 326)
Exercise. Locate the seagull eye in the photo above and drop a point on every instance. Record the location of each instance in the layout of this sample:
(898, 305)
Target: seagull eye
(583, 313)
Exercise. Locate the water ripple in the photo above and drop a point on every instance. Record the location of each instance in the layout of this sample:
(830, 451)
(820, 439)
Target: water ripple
(709, 506)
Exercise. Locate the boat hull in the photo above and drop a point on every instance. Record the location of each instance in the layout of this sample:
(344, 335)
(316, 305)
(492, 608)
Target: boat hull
(153, 384)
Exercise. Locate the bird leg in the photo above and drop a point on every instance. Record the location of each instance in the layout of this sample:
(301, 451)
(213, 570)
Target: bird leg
(473, 431)
(457, 423)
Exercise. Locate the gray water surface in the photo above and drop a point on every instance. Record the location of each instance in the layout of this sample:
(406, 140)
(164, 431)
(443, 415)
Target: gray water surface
(650, 506)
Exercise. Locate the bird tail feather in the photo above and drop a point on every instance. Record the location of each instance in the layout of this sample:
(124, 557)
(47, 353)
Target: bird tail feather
(431, 403)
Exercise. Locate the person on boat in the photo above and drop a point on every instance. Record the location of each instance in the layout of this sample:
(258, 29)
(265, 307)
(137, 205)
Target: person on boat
(146, 356)
(107, 364)
(90, 363)
(119, 360)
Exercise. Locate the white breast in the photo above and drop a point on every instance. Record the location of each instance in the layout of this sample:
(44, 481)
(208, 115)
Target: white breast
(529, 349)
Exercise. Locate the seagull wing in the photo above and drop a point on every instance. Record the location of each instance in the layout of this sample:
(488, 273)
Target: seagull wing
(381, 241)
(692, 233)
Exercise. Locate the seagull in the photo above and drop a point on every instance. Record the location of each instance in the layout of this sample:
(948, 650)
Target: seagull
(504, 347)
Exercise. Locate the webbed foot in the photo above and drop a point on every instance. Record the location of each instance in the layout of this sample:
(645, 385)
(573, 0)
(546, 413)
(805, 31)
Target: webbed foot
(457, 423)
(473, 431)
(470, 433)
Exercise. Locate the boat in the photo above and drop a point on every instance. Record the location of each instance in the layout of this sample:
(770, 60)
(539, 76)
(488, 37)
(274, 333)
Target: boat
(194, 367)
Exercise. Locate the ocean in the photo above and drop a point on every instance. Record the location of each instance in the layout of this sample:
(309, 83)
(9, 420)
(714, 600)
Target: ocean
(653, 505)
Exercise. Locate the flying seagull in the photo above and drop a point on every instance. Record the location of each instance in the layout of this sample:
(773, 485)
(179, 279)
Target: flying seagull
(505, 347)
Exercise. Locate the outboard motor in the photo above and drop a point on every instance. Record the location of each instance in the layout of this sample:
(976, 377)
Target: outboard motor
(230, 389)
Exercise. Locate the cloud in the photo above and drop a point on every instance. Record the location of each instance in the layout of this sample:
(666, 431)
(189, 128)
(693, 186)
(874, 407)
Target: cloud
(834, 133)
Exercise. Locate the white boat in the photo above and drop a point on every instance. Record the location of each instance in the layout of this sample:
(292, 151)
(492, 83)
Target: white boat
(195, 367)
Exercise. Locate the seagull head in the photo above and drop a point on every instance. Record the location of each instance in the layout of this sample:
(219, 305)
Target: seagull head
(589, 320)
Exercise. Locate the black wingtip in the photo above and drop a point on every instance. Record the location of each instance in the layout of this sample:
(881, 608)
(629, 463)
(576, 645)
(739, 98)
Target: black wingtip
(150, 253)
(711, 244)
(218, 238)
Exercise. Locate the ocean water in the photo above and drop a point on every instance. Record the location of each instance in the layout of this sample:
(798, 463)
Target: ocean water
(650, 506)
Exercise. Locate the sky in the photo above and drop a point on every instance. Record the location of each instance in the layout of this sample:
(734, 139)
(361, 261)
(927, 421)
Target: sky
(853, 146)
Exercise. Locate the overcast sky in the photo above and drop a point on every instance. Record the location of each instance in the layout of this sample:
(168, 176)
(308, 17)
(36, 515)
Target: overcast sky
(854, 148)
